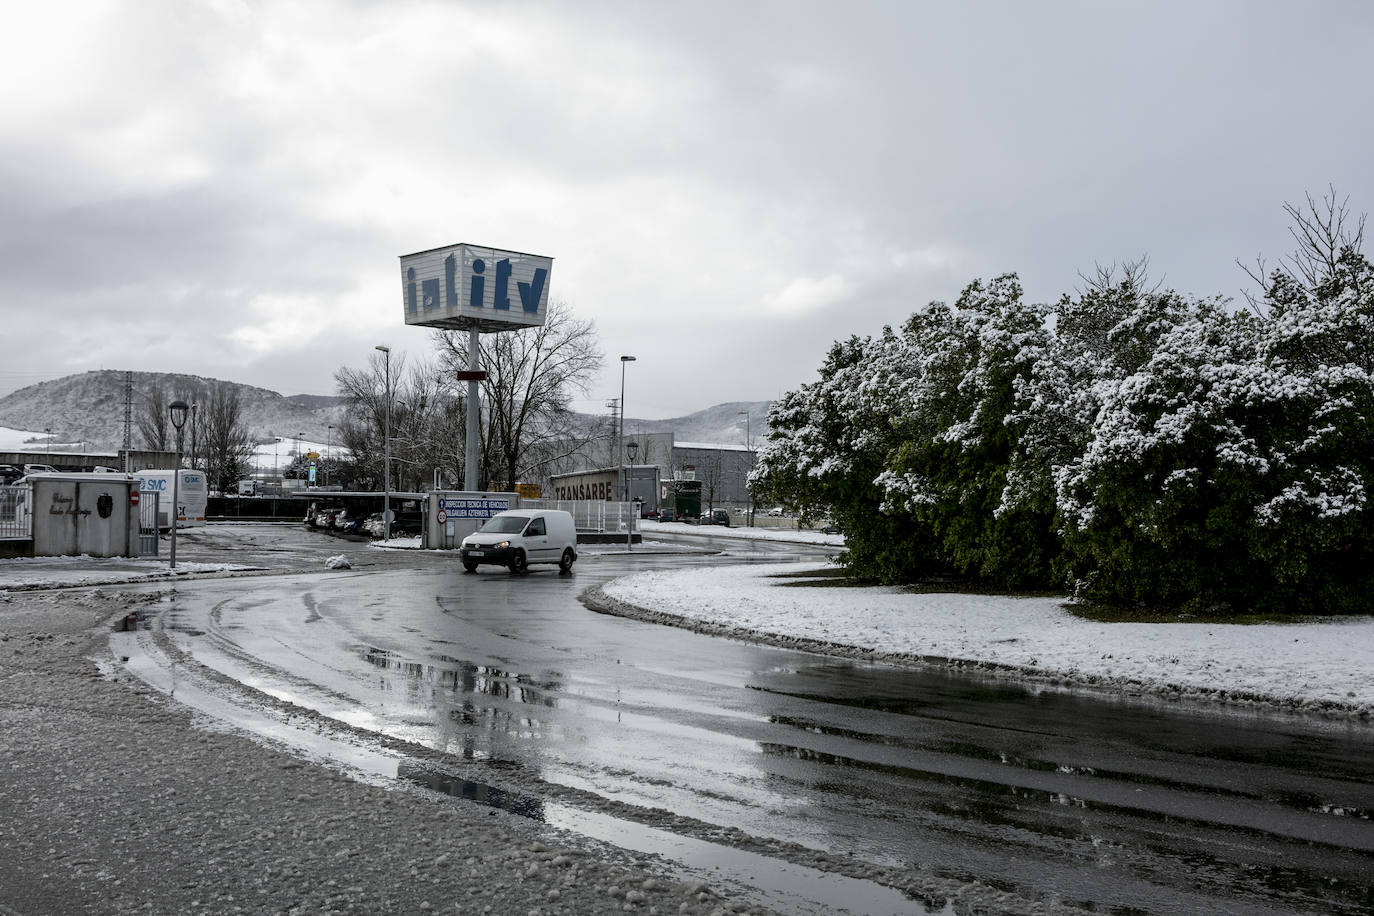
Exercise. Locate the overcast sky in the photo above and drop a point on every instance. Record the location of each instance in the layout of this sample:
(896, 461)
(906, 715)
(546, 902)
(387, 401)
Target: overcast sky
(224, 188)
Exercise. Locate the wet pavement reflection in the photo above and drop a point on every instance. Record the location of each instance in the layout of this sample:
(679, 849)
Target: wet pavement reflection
(1111, 803)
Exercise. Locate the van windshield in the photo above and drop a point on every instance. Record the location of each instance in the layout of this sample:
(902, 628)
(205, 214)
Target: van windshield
(505, 524)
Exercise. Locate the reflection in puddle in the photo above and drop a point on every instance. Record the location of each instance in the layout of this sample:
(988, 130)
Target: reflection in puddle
(465, 677)
(524, 805)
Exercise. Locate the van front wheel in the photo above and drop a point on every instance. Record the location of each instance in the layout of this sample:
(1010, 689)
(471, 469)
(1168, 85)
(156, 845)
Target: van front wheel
(517, 562)
(566, 561)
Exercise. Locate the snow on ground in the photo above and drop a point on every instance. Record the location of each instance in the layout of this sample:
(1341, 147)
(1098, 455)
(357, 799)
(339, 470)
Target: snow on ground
(406, 543)
(1321, 664)
(57, 572)
(794, 535)
(19, 440)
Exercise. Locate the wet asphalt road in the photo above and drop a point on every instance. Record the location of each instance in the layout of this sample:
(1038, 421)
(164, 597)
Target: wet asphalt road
(1126, 804)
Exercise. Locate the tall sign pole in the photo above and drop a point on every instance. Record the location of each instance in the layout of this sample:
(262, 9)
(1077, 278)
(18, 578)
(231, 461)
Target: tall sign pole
(474, 411)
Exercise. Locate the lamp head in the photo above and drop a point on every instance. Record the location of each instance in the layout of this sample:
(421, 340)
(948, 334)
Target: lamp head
(627, 359)
(177, 409)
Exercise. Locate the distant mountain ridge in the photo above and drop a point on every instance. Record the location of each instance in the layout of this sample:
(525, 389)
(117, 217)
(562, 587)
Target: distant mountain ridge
(88, 407)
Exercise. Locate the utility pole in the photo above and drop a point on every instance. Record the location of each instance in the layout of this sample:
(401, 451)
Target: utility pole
(128, 419)
(620, 455)
(749, 452)
(386, 437)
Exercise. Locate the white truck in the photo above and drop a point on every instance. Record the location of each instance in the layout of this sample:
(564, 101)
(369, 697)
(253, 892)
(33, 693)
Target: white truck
(191, 496)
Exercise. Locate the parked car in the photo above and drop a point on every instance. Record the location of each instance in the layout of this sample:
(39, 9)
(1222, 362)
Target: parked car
(39, 469)
(716, 517)
(517, 538)
(831, 528)
(9, 474)
(407, 523)
(667, 515)
(321, 516)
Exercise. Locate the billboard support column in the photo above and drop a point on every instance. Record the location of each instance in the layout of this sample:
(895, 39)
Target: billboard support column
(474, 414)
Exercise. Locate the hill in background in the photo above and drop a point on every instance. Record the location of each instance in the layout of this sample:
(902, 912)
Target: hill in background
(89, 408)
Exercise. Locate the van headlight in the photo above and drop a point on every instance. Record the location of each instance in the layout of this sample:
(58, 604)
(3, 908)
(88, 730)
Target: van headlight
(501, 546)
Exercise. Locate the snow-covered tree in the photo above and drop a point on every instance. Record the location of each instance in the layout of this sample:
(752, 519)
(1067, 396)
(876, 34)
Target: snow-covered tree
(904, 440)
(960, 453)
(1146, 447)
(1233, 467)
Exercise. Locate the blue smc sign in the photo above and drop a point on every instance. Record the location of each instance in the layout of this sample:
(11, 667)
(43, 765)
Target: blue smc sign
(465, 287)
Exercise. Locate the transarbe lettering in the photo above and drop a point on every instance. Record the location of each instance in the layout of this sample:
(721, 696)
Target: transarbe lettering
(603, 491)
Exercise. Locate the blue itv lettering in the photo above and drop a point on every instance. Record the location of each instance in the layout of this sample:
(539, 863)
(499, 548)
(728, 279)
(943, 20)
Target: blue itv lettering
(425, 294)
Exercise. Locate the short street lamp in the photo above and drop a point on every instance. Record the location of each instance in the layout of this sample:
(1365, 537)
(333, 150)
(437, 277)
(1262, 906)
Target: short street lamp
(633, 449)
(177, 410)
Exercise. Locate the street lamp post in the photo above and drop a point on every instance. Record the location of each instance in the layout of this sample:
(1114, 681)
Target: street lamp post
(386, 445)
(625, 489)
(177, 410)
(328, 451)
(749, 451)
(633, 449)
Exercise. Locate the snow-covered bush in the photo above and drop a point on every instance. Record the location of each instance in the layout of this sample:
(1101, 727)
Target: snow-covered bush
(960, 459)
(1233, 467)
(1139, 446)
(905, 441)
(827, 446)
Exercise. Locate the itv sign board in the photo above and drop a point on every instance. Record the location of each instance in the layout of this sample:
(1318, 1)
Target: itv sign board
(471, 287)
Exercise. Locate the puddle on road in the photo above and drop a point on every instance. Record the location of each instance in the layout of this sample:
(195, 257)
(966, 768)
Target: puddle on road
(514, 802)
(460, 676)
(785, 887)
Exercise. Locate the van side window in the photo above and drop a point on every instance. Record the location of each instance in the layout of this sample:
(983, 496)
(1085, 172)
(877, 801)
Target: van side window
(536, 527)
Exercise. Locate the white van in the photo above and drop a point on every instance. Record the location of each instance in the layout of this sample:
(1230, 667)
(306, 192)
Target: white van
(518, 537)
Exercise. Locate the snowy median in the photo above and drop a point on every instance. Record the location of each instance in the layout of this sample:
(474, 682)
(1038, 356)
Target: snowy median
(1321, 665)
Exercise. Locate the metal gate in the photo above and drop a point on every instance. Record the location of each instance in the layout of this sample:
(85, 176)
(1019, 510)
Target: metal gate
(15, 518)
(147, 523)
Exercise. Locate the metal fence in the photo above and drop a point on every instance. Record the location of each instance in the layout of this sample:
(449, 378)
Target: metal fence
(16, 521)
(592, 514)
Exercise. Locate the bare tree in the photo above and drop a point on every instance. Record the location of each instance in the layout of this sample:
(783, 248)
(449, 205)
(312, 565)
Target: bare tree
(711, 473)
(153, 423)
(426, 423)
(528, 421)
(224, 441)
(1324, 231)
